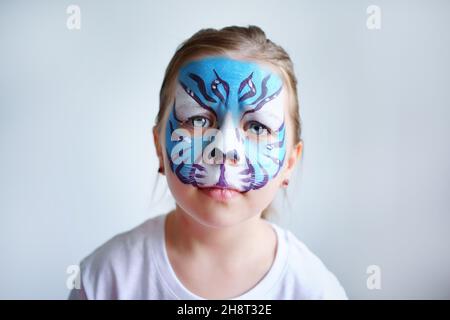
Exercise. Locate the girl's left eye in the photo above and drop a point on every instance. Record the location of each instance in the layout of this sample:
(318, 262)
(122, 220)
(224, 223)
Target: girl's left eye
(257, 128)
(199, 121)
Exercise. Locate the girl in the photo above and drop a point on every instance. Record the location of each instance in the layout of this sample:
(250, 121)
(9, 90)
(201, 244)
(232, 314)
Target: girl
(227, 137)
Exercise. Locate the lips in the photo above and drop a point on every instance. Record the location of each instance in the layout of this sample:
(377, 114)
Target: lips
(220, 194)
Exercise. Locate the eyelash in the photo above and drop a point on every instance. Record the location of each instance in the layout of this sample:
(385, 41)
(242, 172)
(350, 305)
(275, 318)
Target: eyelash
(190, 120)
(259, 124)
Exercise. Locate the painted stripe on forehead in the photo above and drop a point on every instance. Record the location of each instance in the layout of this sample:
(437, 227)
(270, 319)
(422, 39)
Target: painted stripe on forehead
(219, 83)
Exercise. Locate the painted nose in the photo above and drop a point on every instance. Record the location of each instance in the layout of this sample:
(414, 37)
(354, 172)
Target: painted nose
(230, 157)
(228, 147)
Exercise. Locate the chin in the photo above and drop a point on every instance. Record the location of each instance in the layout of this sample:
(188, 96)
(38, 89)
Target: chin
(212, 208)
(219, 216)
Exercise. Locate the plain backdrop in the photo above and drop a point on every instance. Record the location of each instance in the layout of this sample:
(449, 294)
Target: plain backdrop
(78, 165)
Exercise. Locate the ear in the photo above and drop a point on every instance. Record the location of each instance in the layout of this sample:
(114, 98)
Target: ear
(294, 157)
(158, 147)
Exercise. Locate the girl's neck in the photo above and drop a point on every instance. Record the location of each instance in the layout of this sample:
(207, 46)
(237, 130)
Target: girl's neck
(190, 236)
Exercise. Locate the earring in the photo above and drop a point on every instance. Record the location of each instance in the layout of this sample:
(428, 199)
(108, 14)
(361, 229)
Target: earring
(160, 170)
(285, 183)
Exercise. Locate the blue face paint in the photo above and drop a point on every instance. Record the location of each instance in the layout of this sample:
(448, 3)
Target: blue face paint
(229, 110)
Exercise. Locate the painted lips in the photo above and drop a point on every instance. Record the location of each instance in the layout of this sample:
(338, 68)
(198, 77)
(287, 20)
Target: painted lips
(220, 194)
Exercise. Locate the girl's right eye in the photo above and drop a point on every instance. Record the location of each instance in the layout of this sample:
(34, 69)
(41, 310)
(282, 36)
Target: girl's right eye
(199, 122)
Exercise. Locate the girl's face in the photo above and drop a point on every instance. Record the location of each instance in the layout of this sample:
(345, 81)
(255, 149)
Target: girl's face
(226, 139)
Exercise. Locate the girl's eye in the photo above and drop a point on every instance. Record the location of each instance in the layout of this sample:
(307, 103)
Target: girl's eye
(199, 121)
(258, 128)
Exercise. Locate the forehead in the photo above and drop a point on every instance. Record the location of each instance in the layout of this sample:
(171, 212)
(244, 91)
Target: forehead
(233, 71)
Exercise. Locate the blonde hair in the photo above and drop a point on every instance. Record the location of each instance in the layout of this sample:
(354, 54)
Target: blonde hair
(249, 42)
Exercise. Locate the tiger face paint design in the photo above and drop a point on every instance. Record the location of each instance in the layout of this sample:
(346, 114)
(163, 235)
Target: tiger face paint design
(226, 127)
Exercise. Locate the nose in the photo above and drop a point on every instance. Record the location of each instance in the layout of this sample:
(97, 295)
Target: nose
(228, 147)
(231, 156)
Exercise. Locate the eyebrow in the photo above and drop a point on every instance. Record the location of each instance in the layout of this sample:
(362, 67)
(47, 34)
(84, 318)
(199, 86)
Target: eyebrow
(201, 86)
(261, 101)
(267, 117)
(196, 98)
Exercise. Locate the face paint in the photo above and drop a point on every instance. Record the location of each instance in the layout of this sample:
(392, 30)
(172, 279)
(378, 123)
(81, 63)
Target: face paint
(226, 109)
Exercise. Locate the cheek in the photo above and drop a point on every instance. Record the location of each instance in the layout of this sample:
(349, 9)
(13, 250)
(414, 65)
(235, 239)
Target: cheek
(181, 192)
(267, 156)
(174, 147)
(182, 145)
(260, 199)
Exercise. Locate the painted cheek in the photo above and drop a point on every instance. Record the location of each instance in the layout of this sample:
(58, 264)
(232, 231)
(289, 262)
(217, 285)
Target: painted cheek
(267, 156)
(184, 148)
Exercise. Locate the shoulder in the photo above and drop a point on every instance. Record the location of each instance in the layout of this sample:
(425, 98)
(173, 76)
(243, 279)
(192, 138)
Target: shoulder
(306, 274)
(119, 261)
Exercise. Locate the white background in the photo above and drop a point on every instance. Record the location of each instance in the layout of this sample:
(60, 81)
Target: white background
(77, 161)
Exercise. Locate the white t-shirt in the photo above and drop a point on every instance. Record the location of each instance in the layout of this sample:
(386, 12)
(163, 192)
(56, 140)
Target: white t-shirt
(135, 265)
